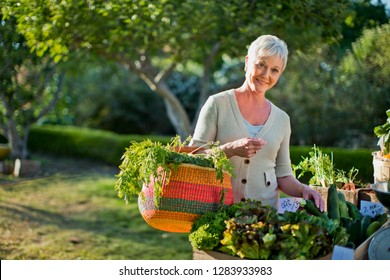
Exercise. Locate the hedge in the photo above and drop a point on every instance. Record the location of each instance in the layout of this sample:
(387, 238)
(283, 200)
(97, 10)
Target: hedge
(83, 142)
(109, 147)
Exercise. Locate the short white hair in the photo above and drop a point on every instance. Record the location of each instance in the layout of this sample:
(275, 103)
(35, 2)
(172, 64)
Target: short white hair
(266, 46)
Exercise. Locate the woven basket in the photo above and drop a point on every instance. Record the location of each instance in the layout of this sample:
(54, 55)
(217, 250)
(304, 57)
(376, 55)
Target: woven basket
(191, 191)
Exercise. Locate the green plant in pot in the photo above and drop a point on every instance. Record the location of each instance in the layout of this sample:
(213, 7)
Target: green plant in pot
(323, 172)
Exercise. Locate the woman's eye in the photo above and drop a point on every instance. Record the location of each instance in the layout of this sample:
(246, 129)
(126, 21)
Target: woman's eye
(275, 70)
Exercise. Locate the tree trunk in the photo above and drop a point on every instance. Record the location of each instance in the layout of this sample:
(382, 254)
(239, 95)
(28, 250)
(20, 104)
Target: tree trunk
(18, 139)
(176, 112)
(14, 139)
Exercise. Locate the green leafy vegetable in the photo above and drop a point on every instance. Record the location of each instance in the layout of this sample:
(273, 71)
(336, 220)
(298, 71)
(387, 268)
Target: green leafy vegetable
(206, 231)
(254, 231)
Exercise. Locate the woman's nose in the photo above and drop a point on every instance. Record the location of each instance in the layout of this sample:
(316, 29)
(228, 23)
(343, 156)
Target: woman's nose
(264, 72)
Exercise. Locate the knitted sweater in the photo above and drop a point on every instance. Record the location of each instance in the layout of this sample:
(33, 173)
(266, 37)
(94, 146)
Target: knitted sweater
(220, 120)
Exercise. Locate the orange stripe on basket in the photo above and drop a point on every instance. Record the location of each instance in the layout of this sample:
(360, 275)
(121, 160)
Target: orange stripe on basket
(183, 190)
(198, 175)
(169, 221)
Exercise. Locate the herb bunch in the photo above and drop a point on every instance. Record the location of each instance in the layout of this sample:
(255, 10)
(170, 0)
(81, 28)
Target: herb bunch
(149, 162)
(322, 169)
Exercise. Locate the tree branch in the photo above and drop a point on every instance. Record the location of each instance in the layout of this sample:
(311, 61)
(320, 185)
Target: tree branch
(53, 101)
(48, 76)
(164, 73)
(205, 81)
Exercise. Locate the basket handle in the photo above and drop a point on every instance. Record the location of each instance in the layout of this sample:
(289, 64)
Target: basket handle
(200, 148)
(190, 149)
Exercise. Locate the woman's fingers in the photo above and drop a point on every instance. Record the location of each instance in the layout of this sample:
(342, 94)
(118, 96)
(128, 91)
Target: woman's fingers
(247, 147)
(308, 193)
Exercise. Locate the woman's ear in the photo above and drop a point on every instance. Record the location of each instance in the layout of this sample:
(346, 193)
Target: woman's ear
(246, 63)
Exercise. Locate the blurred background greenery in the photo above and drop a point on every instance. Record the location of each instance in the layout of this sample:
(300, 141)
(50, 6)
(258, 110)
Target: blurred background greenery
(81, 79)
(146, 67)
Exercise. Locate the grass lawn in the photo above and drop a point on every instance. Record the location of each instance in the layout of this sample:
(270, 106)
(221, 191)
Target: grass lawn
(72, 212)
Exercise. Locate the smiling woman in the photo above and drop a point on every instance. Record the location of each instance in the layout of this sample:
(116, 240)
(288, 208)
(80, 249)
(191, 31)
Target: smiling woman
(253, 132)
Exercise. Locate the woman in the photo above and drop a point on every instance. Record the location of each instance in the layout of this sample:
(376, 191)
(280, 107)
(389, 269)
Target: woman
(252, 131)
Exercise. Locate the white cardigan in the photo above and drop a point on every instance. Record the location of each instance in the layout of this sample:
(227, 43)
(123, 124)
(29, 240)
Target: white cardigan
(220, 120)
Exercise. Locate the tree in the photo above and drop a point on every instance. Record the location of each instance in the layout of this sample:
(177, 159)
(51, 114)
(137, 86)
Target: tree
(153, 38)
(365, 15)
(103, 95)
(366, 70)
(338, 103)
(29, 87)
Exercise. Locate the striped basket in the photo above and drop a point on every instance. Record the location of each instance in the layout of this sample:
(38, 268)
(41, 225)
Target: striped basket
(191, 191)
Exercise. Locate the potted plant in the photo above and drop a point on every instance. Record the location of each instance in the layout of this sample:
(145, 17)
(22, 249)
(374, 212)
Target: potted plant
(381, 158)
(174, 184)
(322, 173)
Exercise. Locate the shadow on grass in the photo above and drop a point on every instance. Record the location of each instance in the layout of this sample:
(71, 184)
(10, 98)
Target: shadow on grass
(71, 215)
(120, 236)
(109, 222)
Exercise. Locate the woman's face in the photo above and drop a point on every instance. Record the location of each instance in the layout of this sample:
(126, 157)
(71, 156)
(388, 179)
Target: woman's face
(263, 73)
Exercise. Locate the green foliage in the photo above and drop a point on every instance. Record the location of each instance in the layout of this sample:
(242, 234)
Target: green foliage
(147, 161)
(161, 34)
(206, 231)
(365, 14)
(364, 71)
(319, 165)
(322, 169)
(254, 231)
(164, 28)
(152, 39)
(29, 87)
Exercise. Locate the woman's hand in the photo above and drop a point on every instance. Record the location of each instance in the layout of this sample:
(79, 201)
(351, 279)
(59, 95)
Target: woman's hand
(309, 193)
(244, 147)
(291, 186)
